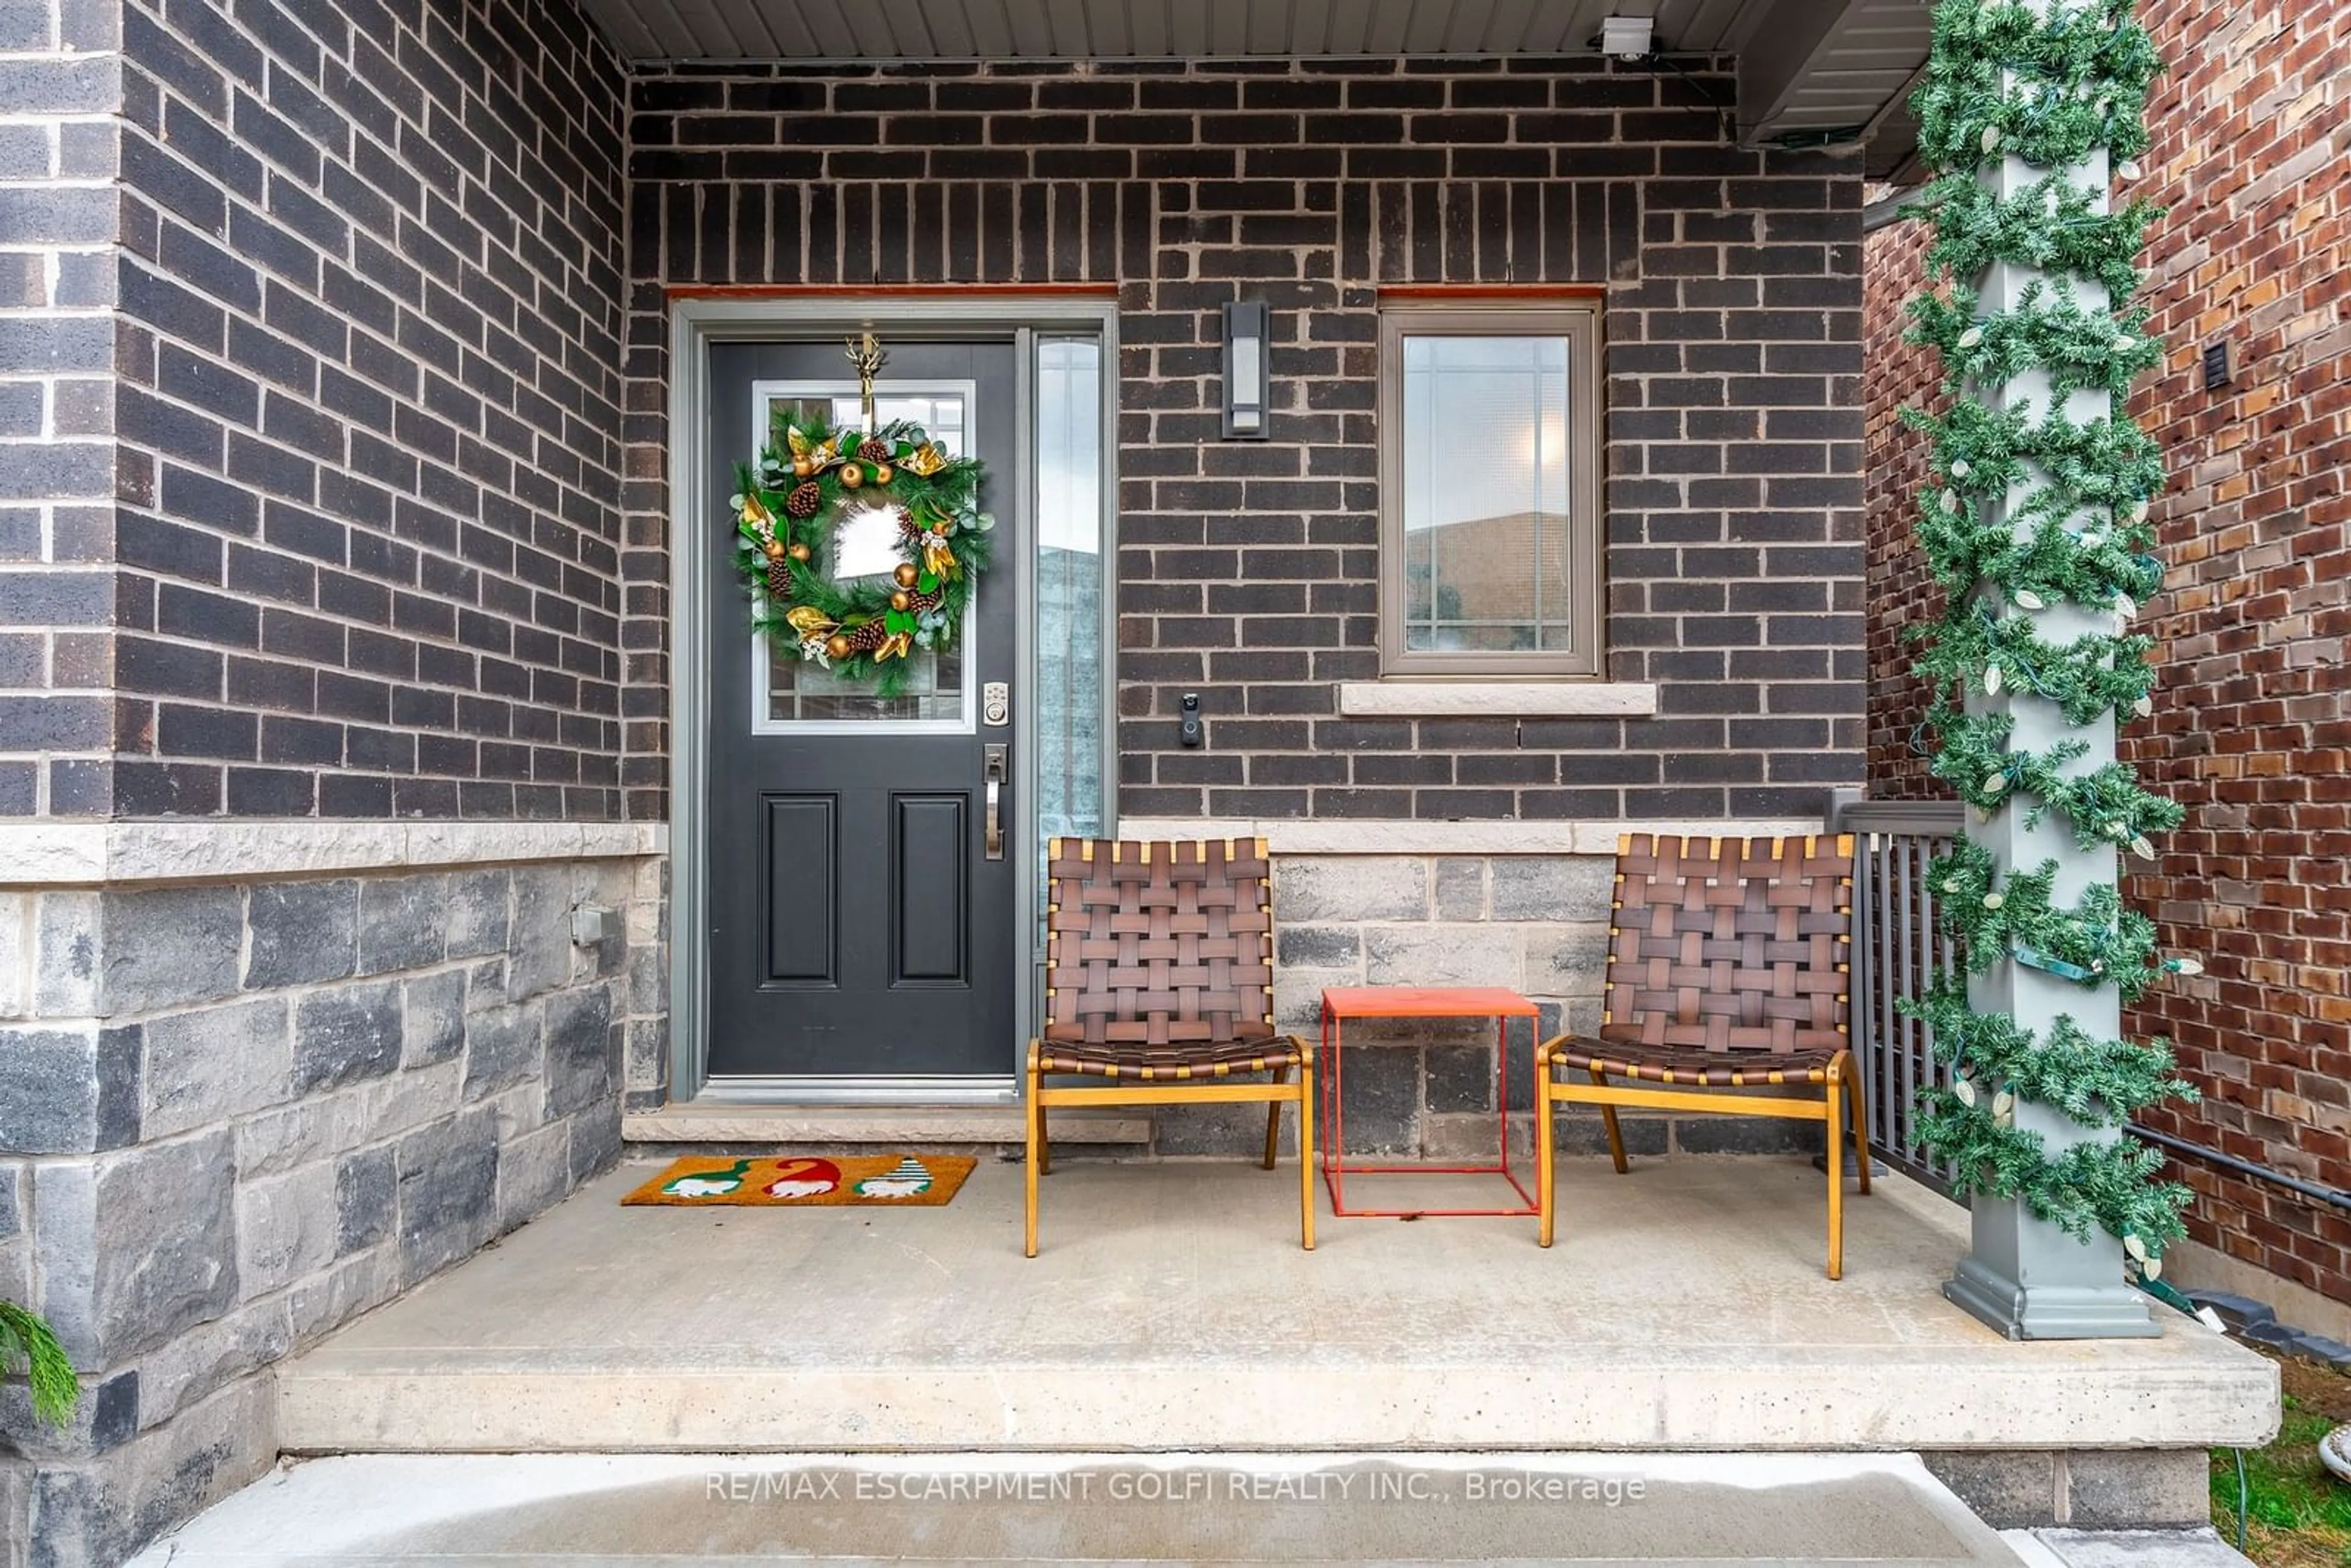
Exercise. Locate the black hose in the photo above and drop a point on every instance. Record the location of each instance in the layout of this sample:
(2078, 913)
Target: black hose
(2333, 1196)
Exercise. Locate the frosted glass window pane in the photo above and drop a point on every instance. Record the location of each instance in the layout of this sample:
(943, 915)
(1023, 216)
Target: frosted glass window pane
(1070, 662)
(1486, 495)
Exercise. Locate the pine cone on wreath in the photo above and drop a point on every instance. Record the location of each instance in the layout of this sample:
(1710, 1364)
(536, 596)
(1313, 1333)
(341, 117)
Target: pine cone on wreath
(779, 580)
(804, 500)
(873, 449)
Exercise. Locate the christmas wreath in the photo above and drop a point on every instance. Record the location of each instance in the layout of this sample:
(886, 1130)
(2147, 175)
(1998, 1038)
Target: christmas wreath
(792, 503)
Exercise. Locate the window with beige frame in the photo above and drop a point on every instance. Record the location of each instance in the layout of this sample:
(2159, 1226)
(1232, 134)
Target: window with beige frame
(1489, 490)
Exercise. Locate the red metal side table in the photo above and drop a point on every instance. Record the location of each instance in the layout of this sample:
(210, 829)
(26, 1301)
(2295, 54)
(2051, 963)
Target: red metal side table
(1342, 1003)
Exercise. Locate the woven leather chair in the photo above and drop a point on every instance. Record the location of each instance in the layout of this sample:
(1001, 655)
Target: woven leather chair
(1728, 971)
(1159, 982)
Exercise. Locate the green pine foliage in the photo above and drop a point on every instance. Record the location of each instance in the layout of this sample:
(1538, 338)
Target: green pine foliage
(2105, 805)
(2033, 509)
(27, 1349)
(2052, 228)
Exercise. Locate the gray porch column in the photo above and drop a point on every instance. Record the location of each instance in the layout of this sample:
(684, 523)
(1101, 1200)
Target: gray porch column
(2023, 1275)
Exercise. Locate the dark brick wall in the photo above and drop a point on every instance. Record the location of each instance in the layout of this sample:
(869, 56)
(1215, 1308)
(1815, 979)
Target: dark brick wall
(1248, 571)
(366, 536)
(58, 228)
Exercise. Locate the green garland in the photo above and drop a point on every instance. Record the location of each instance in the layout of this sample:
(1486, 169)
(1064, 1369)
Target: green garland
(2105, 464)
(786, 506)
(2079, 77)
(2070, 528)
(2085, 675)
(2105, 805)
(2051, 228)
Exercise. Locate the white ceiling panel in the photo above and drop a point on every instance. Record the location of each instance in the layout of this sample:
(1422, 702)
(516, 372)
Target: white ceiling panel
(946, 29)
(1867, 50)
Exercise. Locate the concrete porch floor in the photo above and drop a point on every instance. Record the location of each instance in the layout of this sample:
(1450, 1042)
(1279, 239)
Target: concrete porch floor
(1172, 1310)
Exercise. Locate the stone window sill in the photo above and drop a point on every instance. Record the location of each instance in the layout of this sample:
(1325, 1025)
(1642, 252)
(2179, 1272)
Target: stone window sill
(1497, 699)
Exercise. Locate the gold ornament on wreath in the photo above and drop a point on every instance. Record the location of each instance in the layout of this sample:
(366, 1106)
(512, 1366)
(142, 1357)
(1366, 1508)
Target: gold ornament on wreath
(790, 505)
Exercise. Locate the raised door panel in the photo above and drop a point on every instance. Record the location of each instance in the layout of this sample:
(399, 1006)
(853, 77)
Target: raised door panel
(931, 945)
(799, 861)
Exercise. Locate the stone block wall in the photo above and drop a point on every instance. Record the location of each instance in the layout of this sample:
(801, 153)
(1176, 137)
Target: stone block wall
(1426, 1090)
(2251, 689)
(1248, 571)
(235, 1115)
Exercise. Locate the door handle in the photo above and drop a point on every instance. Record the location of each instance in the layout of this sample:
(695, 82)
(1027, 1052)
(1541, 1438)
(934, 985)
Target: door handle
(995, 764)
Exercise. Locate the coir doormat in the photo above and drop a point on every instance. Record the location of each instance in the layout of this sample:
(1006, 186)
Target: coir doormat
(900, 1181)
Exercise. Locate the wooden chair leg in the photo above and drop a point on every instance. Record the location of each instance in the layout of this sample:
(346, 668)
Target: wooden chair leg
(1545, 1199)
(1305, 1154)
(1608, 1120)
(1835, 1141)
(1030, 1166)
(1273, 1121)
(1859, 1111)
(1044, 1135)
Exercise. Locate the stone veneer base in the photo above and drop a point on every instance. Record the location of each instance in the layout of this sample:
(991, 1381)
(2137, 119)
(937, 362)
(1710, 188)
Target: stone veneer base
(235, 1114)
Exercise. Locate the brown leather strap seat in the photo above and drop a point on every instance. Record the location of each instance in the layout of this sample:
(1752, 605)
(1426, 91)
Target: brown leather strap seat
(1207, 1059)
(1668, 1064)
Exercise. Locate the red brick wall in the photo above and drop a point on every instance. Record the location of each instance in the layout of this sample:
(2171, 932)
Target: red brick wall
(2251, 732)
(1901, 595)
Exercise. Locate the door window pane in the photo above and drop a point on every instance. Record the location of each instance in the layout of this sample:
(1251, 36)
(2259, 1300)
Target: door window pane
(802, 690)
(789, 691)
(1487, 542)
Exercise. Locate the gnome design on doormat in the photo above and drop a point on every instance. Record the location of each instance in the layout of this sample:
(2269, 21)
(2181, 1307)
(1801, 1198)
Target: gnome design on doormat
(708, 1183)
(804, 1178)
(908, 1178)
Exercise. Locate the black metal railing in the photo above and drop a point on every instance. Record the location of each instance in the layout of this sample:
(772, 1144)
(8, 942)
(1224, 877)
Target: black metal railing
(1897, 949)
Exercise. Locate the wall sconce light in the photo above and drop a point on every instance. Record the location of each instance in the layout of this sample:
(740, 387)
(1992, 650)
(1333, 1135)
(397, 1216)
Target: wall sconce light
(1248, 382)
(1627, 37)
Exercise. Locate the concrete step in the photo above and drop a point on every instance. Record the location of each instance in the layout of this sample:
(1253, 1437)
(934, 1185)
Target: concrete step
(821, 1127)
(441, 1512)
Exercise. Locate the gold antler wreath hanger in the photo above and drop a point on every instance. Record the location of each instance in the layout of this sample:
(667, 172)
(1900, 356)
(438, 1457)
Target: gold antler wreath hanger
(865, 353)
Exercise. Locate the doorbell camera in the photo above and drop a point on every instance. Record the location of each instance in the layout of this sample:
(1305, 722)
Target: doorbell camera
(1188, 730)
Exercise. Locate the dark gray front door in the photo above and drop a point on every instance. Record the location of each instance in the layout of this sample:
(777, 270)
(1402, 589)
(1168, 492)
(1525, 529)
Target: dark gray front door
(858, 925)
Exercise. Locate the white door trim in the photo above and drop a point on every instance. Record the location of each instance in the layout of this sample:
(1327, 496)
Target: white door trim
(694, 325)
